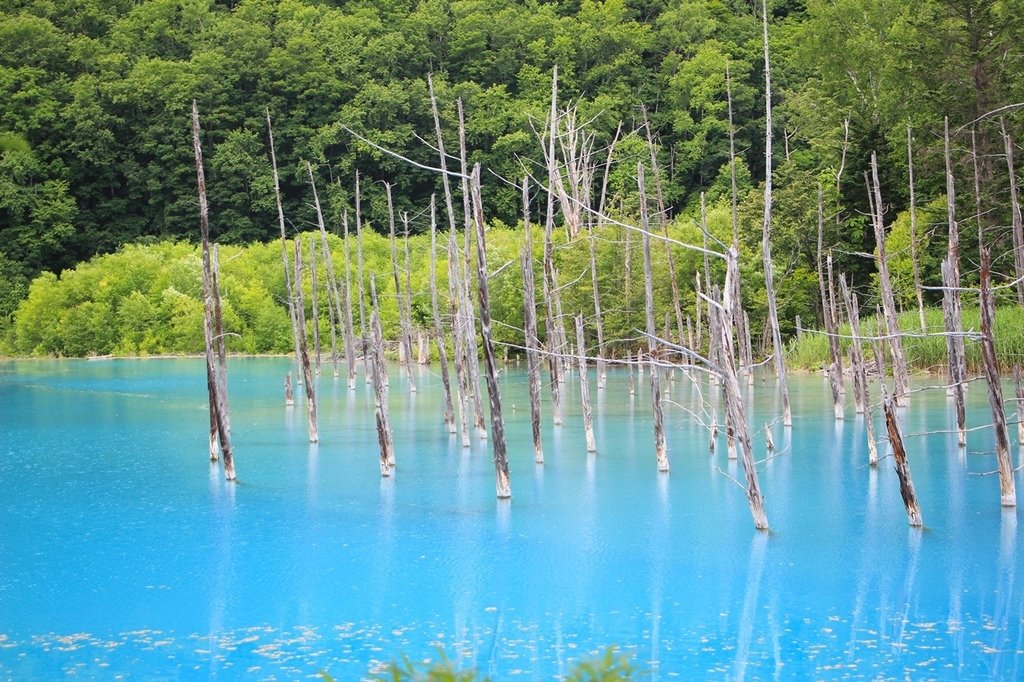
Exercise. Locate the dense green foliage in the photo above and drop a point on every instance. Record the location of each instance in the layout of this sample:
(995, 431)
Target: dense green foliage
(95, 146)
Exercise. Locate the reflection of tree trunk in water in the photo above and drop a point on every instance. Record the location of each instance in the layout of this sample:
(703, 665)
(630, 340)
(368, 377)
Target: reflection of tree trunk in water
(748, 616)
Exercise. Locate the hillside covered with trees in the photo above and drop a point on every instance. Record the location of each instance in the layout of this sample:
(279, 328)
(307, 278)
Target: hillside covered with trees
(95, 149)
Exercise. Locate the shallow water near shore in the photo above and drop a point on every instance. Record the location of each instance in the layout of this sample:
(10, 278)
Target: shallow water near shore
(123, 552)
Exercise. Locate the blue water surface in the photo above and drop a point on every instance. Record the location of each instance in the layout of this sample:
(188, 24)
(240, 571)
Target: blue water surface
(125, 555)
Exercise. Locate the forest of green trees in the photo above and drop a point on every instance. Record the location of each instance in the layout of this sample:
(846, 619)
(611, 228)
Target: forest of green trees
(96, 157)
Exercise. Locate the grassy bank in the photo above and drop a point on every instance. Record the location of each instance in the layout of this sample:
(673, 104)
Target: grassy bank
(924, 353)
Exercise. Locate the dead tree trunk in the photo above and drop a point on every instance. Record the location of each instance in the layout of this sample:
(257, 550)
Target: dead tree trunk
(284, 253)
(1020, 404)
(289, 395)
(951, 320)
(333, 303)
(1007, 486)
(899, 454)
(442, 352)
(677, 298)
(346, 298)
(216, 376)
(598, 321)
(861, 387)
(408, 293)
(454, 286)
(378, 370)
(778, 351)
(914, 260)
(504, 489)
(660, 447)
(530, 324)
(588, 418)
(835, 369)
(951, 305)
(736, 413)
(471, 345)
(314, 307)
(601, 217)
(1017, 223)
(458, 337)
(359, 274)
(895, 340)
(403, 322)
(300, 315)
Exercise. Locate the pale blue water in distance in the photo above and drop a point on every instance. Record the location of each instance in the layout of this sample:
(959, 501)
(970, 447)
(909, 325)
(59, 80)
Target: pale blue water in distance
(123, 553)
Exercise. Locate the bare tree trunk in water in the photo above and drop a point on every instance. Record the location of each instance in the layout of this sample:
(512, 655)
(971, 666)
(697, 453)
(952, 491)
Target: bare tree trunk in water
(661, 448)
(1007, 486)
(530, 324)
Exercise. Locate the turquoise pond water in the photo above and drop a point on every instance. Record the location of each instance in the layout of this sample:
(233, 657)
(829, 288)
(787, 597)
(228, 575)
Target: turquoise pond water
(124, 553)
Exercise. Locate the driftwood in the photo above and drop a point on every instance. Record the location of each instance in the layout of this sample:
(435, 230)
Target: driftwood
(216, 370)
(588, 419)
(530, 323)
(899, 454)
(661, 448)
(778, 351)
(378, 370)
(442, 352)
(502, 484)
(1007, 486)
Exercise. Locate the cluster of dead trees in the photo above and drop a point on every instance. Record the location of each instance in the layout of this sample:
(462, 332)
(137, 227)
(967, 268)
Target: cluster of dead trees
(718, 324)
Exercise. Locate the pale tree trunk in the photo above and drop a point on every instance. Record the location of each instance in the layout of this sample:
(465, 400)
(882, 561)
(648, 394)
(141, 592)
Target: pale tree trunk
(458, 337)
(362, 280)
(862, 389)
(1019, 387)
(895, 340)
(914, 259)
(598, 322)
(216, 377)
(951, 310)
(502, 484)
(530, 324)
(454, 287)
(660, 447)
(835, 369)
(449, 410)
(601, 217)
(778, 351)
(284, 253)
(588, 418)
(333, 302)
(1015, 213)
(677, 298)
(399, 303)
(378, 371)
(346, 298)
(736, 413)
(1007, 486)
(300, 316)
(289, 395)
(314, 309)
